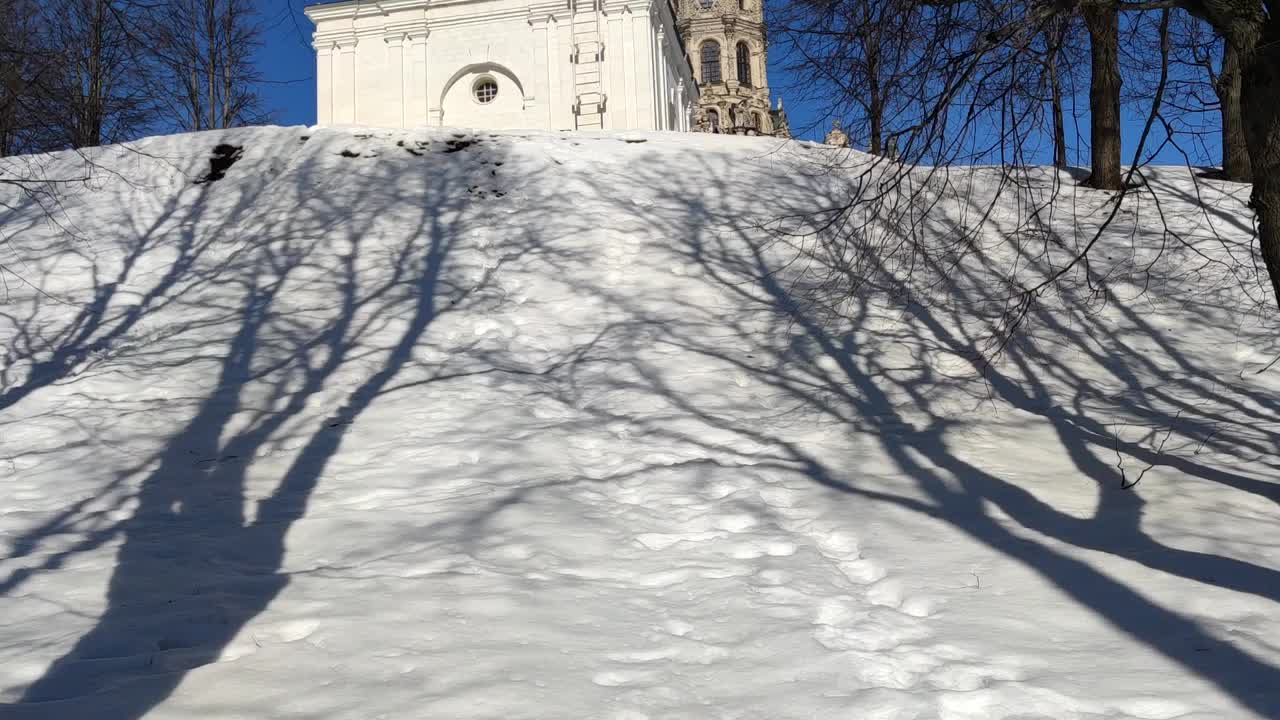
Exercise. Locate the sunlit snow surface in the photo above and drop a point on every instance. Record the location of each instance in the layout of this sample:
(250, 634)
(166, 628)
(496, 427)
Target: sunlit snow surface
(444, 424)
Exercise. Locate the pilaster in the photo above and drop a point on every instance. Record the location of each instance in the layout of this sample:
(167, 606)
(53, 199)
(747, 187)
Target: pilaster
(396, 89)
(324, 82)
(416, 97)
(630, 74)
(543, 26)
(344, 81)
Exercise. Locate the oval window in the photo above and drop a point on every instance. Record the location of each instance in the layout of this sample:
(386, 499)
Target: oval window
(485, 90)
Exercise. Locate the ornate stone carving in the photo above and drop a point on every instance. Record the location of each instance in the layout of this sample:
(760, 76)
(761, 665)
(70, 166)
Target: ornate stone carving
(740, 101)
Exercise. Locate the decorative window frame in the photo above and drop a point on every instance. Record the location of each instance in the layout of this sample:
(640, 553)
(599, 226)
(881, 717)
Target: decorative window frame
(742, 62)
(703, 63)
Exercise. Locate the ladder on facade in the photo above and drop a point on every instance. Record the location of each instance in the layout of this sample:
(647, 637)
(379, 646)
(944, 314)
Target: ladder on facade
(588, 66)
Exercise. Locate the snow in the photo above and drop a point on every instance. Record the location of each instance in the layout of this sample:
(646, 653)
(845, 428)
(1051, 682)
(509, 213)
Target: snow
(446, 424)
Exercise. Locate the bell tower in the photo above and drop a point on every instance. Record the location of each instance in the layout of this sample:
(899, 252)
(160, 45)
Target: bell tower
(728, 50)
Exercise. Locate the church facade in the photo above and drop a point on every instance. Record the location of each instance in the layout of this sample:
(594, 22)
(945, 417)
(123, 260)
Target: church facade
(580, 64)
(727, 43)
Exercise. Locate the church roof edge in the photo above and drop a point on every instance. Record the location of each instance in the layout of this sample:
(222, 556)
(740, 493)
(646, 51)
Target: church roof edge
(337, 7)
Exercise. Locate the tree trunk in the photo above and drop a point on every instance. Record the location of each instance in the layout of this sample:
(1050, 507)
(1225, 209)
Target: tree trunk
(93, 101)
(876, 107)
(10, 88)
(1055, 37)
(228, 51)
(1103, 23)
(1260, 88)
(1235, 151)
(1059, 123)
(875, 104)
(211, 60)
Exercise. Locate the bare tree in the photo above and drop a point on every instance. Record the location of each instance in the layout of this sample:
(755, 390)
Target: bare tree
(205, 52)
(101, 85)
(1235, 152)
(866, 47)
(26, 65)
(1208, 82)
(1251, 29)
(970, 56)
(1057, 66)
(14, 72)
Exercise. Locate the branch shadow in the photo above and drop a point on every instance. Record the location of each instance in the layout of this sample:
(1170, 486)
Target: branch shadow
(866, 361)
(349, 264)
(862, 360)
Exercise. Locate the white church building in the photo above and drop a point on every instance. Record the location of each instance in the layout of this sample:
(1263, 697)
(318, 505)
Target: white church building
(563, 65)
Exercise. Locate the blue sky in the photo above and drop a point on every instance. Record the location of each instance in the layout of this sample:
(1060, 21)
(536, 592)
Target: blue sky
(287, 62)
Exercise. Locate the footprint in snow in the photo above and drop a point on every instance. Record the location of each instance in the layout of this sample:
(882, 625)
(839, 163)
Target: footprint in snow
(753, 550)
(890, 593)
(620, 678)
(738, 523)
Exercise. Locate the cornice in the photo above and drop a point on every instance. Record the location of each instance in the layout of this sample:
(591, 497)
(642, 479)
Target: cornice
(362, 8)
(478, 18)
(411, 28)
(634, 6)
(722, 21)
(537, 11)
(329, 39)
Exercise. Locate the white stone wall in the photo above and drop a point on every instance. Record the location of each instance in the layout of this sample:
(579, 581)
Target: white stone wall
(405, 63)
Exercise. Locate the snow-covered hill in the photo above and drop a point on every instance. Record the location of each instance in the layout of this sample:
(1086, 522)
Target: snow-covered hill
(517, 425)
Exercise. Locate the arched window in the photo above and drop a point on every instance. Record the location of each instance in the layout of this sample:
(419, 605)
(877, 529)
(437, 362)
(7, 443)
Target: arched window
(744, 64)
(713, 121)
(710, 62)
